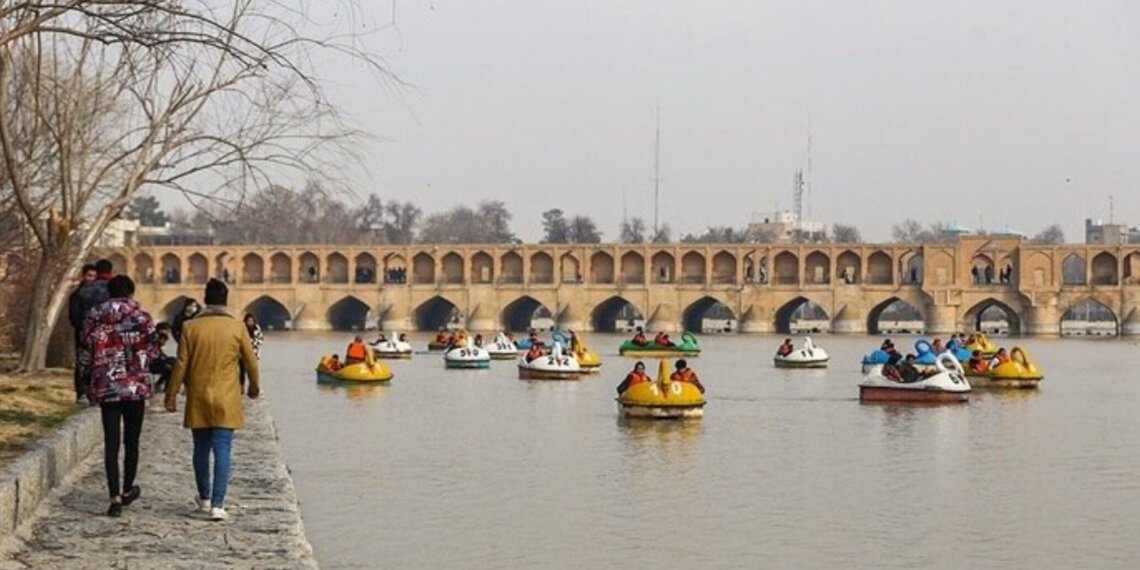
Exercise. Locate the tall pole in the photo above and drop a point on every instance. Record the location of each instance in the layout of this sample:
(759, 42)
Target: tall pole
(657, 174)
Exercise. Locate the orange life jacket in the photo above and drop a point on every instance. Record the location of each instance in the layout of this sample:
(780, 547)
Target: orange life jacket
(661, 339)
(634, 378)
(355, 350)
(686, 375)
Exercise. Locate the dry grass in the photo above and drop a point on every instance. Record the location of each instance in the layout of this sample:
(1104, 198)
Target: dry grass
(30, 407)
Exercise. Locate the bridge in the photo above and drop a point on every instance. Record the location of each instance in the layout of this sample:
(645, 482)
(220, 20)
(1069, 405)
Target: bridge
(671, 286)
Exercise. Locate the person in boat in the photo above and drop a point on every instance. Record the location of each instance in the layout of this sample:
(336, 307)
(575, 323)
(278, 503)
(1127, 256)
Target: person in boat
(356, 351)
(971, 340)
(662, 339)
(535, 351)
(381, 339)
(685, 374)
(333, 363)
(1001, 357)
(887, 345)
(891, 368)
(937, 346)
(534, 340)
(908, 372)
(450, 341)
(403, 337)
(479, 340)
(786, 348)
(635, 377)
(977, 363)
(639, 338)
(954, 343)
(440, 336)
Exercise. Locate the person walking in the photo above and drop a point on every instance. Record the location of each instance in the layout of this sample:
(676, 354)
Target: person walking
(119, 340)
(75, 318)
(213, 344)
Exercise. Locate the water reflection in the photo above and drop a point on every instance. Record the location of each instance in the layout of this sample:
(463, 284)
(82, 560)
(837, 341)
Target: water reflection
(356, 392)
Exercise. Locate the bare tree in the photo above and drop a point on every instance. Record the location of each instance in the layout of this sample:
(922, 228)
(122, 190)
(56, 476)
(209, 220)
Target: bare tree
(664, 234)
(841, 233)
(1050, 235)
(100, 99)
(717, 234)
(582, 229)
(554, 227)
(633, 230)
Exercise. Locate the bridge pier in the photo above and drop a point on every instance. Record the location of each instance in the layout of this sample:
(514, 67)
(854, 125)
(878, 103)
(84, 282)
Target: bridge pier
(848, 321)
(941, 319)
(1042, 321)
(1130, 326)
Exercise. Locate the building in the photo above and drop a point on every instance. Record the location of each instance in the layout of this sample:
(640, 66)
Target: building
(1100, 233)
(784, 227)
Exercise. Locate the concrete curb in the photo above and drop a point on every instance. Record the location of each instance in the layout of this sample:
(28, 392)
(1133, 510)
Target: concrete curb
(308, 559)
(27, 480)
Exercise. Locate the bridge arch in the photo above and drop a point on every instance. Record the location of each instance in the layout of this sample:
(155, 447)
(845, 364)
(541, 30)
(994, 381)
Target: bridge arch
(252, 268)
(280, 269)
(989, 310)
(1104, 269)
(724, 268)
(571, 269)
(512, 268)
(880, 269)
(913, 267)
(663, 267)
(119, 263)
(198, 269)
(349, 314)
(482, 268)
(849, 267)
(270, 313)
(452, 267)
(338, 268)
(436, 313)
(395, 268)
(817, 268)
(693, 268)
(801, 309)
(171, 268)
(423, 269)
(605, 315)
(982, 269)
(601, 268)
(310, 267)
(1089, 316)
(1074, 270)
(519, 315)
(786, 269)
(902, 315)
(365, 271)
(710, 308)
(144, 268)
(541, 268)
(632, 268)
(1132, 268)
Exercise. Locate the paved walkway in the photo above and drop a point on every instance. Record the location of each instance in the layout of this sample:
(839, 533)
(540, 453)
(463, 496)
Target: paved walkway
(162, 530)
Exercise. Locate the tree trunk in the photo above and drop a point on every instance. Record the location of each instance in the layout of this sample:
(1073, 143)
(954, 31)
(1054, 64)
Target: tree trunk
(50, 291)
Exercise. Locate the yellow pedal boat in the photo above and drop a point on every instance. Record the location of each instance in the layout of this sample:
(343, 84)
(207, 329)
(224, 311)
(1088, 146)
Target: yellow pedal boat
(662, 398)
(369, 371)
(588, 360)
(983, 344)
(1019, 372)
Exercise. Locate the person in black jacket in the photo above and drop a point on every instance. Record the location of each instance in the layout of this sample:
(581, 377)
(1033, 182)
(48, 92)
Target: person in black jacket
(91, 292)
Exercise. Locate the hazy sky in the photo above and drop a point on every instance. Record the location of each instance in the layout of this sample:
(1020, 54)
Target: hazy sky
(1023, 112)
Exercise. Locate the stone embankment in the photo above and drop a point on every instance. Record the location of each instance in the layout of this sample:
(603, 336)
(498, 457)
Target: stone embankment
(162, 530)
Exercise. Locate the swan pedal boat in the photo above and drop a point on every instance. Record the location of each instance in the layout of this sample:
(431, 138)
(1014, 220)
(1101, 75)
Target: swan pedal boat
(810, 356)
(588, 360)
(467, 356)
(1019, 372)
(502, 348)
(949, 384)
(369, 371)
(392, 348)
(687, 347)
(554, 366)
(982, 343)
(662, 398)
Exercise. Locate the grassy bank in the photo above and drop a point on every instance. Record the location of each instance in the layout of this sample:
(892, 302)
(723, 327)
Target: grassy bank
(30, 407)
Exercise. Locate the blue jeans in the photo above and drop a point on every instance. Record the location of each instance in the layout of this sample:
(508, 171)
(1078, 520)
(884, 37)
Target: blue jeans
(219, 441)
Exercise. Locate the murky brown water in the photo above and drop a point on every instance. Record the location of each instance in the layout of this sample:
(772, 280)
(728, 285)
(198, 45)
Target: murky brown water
(476, 469)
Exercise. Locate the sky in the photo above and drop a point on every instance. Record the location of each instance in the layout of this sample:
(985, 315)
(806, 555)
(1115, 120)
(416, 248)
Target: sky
(1019, 113)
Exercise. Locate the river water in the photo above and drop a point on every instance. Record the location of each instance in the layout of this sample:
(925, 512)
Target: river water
(477, 469)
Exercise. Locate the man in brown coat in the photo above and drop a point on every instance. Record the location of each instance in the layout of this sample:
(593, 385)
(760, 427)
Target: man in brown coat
(212, 345)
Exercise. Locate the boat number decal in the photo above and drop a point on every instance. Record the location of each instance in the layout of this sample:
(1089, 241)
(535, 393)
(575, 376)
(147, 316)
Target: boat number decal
(675, 387)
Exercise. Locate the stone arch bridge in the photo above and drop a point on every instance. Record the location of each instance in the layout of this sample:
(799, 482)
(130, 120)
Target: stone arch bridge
(586, 286)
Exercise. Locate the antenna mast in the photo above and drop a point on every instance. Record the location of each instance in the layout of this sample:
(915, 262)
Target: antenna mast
(1110, 209)
(798, 195)
(657, 173)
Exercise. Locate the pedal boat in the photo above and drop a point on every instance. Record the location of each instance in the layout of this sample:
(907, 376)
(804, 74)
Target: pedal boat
(554, 366)
(502, 348)
(687, 347)
(467, 356)
(810, 356)
(588, 360)
(392, 348)
(369, 371)
(1018, 373)
(988, 348)
(662, 398)
(949, 384)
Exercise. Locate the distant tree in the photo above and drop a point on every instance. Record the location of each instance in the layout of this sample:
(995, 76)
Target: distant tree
(489, 223)
(841, 233)
(554, 226)
(717, 234)
(1050, 235)
(664, 234)
(402, 219)
(911, 231)
(147, 210)
(633, 230)
(370, 216)
(582, 229)
(496, 222)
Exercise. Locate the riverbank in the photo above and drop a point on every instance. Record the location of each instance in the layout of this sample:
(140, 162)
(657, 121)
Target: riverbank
(30, 408)
(161, 529)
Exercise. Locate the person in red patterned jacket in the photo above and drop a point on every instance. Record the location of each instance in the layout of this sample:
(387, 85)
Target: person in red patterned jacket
(118, 343)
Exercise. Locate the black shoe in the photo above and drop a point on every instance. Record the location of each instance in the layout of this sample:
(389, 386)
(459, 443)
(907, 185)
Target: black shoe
(116, 510)
(132, 495)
